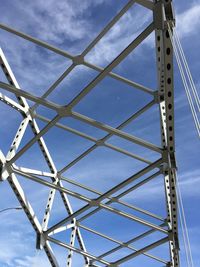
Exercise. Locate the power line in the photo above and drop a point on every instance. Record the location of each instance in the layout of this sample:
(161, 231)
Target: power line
(179, 58)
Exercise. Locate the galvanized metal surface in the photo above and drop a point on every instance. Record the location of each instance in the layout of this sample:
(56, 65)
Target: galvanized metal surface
(165, 165)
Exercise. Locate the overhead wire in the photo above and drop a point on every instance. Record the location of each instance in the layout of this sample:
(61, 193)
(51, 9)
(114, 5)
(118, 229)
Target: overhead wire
(193, 87)
(184, 227)
(180, 57)
(187, 89)
(182, 63)
(186, 86)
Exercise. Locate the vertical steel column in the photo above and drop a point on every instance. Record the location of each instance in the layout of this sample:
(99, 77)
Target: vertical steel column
(164, 52)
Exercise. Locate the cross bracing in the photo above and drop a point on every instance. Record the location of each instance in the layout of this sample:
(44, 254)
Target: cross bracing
(111, 201)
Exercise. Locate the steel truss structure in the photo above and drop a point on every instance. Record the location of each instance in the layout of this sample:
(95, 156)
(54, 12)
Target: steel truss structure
(163, 97)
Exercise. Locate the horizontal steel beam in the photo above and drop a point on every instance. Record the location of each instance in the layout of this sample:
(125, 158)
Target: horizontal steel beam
(73, 58)
(96, 141)
(138, 40)
(29, 96)
(142, 250)
(130, 241)
(81, 252)
(122, 244)
(115, 131)
(90, 201)
(115, 199)
(108, 193)
(106, 137)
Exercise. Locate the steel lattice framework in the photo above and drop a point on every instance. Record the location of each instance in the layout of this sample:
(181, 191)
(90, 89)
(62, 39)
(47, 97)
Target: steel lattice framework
(163, 97)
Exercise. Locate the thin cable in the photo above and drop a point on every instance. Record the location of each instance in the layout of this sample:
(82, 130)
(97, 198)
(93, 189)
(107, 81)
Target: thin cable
(195, 117)
(186, 239)
(184, 235)
(184, 80)
(182, 227)
(193, 87)
(192, 106)
(184, 223)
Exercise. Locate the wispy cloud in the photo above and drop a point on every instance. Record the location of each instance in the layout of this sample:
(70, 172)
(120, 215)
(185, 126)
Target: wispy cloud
(120, 35)
(65, 24)
(189, 21)
(189, 183)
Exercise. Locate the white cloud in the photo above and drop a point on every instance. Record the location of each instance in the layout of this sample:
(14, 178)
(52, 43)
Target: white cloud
(39, 259)
(120, 36)
(61, 23)
(55, 21)
(188, 22)
(55, 26)
(189, 184)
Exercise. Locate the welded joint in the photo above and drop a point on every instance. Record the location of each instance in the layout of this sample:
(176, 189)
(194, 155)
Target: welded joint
(164, 168)
(159, 15)
(78, 60)
(169, 264)
(31, 113)
(169, 10)
(90, 264)
(114, 199)
(77, 223)
(163, 14)
(40, 241)
(64, 111)
(4, 169)
(94, 203)
(174, 238)
(100, 142)
(159, 97)
(173, 161)
(125, 245)
(4, 172)
(171, 235)
(114, 265)
(165, 155)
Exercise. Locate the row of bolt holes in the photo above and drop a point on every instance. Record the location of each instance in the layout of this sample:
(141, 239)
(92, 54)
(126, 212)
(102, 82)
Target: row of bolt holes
(17, 136)
(47, 207)
(169, 95)
(10, 80)
(23, 205)
(168, 51)
(3, 66)
(170, 127)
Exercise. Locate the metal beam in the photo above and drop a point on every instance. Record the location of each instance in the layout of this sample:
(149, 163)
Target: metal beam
(90, 201)
(81, 252)
(162, 13)
(116, 132)
(122, 244)
(108, 193)
(73, 58)
(18, 191)
(11, 79)
(138, 40)
(142, 250)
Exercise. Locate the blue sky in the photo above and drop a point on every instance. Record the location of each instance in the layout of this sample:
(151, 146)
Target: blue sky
(71, 25)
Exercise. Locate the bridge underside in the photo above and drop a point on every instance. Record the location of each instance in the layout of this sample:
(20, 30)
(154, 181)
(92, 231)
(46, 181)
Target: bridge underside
(101, 224)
